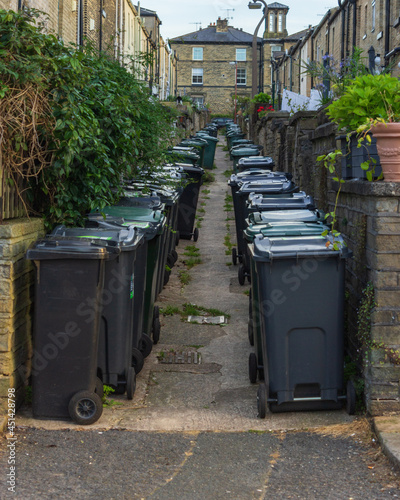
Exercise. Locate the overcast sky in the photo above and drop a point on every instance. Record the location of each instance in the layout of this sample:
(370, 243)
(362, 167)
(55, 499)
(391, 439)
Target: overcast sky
(180, 16)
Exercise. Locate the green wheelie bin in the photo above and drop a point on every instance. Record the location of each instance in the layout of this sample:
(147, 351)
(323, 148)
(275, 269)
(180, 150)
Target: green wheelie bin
(209, 155)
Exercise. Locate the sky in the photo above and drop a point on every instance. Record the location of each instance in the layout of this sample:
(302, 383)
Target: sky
(180, 17)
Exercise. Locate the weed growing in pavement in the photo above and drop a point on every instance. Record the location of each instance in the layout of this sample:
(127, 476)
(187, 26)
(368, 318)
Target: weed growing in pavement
(107, 390)
(201, 210)
(192, 251)
(194, 310)
(184, 277)
(206, 191)
(246, 292)
(228, 263)
(28, 395)
(228, 173)
(208, 177)
(192, 261)
(228, 206)
(169, 310)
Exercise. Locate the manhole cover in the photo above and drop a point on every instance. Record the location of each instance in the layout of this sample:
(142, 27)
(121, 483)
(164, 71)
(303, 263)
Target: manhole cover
(180, 357)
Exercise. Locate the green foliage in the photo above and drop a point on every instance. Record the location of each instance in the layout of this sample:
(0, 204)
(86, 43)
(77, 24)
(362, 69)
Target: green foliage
(103, 123)
(262, 97)
(367, 98)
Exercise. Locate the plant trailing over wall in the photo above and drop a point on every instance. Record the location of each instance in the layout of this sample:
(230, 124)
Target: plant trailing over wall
(76, 121)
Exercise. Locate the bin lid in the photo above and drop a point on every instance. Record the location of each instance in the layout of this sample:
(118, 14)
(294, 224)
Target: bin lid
(285, 215)
(56, 248)
(242, 141)
(260, 202)
(197, 141)
(168, 194)
(256, 174)
(285, 228)
(188, 168)
(149, 226)
(268, 185)
(246, 146)
(207, 137)
(244, 152)
(183, 154)
(127, 239)
(140, 199)
(257, 161)
(304, 247)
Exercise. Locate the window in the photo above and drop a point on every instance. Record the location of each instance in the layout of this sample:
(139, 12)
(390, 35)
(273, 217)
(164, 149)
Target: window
(275, 48)
(240, 54)
(271, 22)
(198, 100)
(373, 14)
(197, 76)
(280, 23)
(241, 76)
(197, 53)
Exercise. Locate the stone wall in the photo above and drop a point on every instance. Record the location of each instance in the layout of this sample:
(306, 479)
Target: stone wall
(16, 280)
(369, 219)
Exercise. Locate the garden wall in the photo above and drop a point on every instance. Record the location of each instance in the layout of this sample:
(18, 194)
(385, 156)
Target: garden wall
(369, 219)
(16, 289)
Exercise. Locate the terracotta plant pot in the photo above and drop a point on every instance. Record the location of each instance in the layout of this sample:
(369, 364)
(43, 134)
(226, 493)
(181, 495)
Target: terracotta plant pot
(388, 145)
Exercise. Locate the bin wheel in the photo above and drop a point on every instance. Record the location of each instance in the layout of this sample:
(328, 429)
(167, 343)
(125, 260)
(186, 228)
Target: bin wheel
(250, 332)
(195, 235)
(130, 382)
(350, 398)
(156, 312)
(99, 389)
(174, 254)
(177, 238)
(137, 360)
(253, 368)
(248, 277)
(166, 276)
(241, 275)
(156, 330)
(145, 345)
(234, 256)
(170, 260)
(85, 407)
(262, 398)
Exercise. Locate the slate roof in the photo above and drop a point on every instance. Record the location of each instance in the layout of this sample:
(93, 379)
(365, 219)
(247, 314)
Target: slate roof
(276, 5)
(211, 35)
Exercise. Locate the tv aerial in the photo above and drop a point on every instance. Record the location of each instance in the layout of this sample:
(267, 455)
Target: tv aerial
(227, 13)
(197, 23)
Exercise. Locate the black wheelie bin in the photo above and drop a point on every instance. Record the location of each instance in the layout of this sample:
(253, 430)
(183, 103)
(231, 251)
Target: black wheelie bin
(311, 225)
(121, 314)
(68, 293)
(301, 296)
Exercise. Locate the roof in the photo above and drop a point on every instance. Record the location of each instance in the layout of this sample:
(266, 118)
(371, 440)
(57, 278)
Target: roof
(210, 35)
(276, 5)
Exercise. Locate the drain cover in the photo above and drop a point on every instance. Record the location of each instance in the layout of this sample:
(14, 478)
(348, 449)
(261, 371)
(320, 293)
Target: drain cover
(180, 358)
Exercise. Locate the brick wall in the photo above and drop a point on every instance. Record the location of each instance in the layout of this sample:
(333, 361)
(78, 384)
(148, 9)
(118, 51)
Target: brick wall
(369, 219)
(16, 280)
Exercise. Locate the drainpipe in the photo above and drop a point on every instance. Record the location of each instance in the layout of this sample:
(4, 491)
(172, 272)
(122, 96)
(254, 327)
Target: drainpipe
(101, 26)
(353, 2)
(387, 29)
(343, 29)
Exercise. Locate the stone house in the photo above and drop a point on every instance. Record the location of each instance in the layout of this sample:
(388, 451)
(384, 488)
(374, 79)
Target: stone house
(371, 25)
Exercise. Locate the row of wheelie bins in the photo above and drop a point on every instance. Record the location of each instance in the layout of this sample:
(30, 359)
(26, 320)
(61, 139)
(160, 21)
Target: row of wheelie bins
(95, 314)
(295, 267)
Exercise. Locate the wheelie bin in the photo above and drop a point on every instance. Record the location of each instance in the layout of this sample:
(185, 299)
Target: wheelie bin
(241, 142)
(301, 296)
(188, 201)
(257, 147)
(236, 154)
(261, 162)
(121, 307)
(152, 224)
(233, 134)
(258, 202)
(200, 144)
(209, 155)
(68, 292)
(271, 187)
(282, 229)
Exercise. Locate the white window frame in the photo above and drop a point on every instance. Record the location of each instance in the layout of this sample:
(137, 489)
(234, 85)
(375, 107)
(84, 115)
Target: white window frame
(241, 58)
(271, 22)
(280, 23)
(197, 73)
(241, 70)
(193, 53)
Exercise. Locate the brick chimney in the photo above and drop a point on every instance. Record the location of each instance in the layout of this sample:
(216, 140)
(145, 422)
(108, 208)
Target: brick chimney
(222, 25)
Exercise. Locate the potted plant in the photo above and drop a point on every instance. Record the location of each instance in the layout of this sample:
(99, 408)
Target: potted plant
(371, 104)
